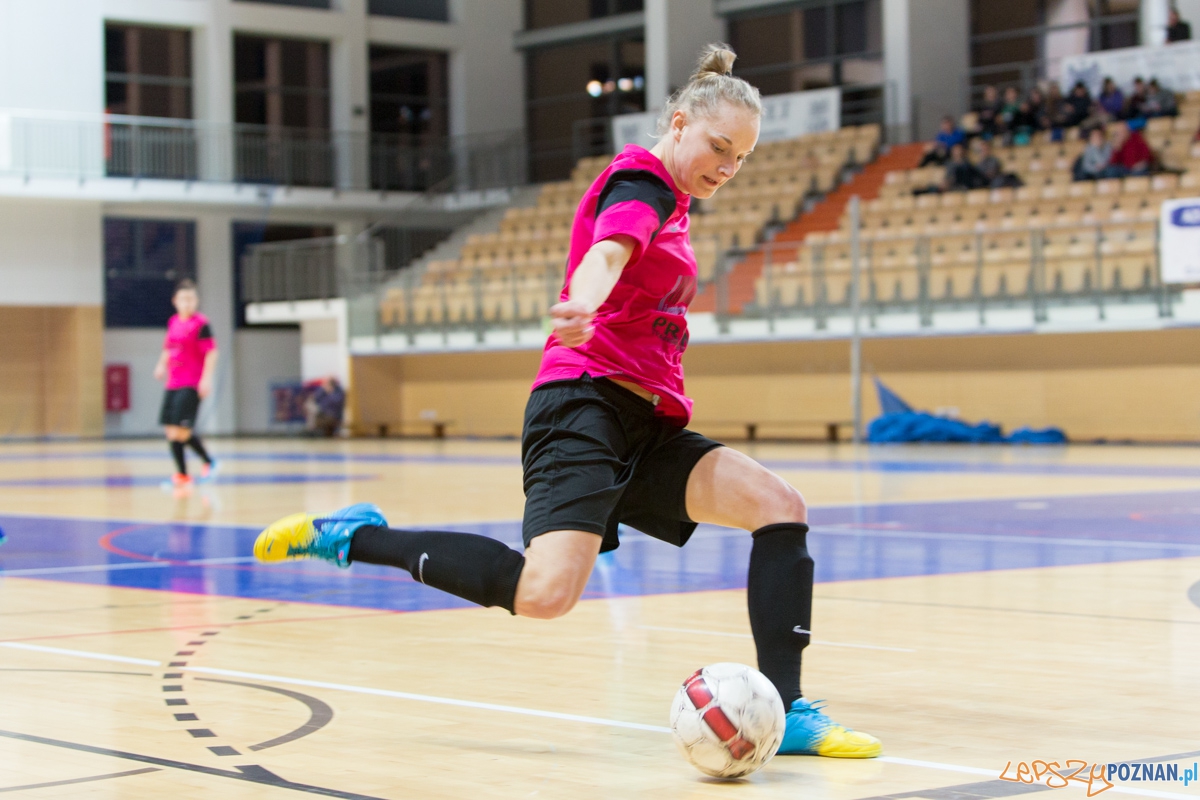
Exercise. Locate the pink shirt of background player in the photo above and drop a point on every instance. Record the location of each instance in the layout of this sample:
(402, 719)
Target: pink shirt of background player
(187, 342)
(641, 329)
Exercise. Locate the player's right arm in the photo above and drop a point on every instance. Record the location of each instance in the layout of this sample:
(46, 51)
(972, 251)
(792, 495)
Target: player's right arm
(591, 284)
(160, 369)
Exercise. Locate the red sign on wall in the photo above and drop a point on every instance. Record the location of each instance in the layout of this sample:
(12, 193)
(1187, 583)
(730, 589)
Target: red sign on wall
(116, 388)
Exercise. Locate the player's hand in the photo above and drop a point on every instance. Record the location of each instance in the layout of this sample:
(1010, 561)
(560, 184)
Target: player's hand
(204, 388)
(160, 372)
(572, 322)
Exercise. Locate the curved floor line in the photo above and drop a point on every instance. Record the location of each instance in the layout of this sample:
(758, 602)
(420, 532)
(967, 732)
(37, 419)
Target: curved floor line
(320, 713)
(92, 671)
(105, 542)
(1194, 594)
(89, 779)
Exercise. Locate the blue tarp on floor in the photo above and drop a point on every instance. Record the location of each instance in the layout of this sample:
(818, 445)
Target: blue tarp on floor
(900, 423)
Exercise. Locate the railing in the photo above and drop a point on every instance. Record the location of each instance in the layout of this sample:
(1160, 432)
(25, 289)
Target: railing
(313, 269)
(90, 147)
(817, 287)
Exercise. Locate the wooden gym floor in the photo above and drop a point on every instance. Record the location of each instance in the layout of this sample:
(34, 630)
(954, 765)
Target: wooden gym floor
(976, 608)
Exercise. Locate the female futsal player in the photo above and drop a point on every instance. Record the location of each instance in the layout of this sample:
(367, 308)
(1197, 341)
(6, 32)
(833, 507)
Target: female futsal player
(604, 440)
(188, 360)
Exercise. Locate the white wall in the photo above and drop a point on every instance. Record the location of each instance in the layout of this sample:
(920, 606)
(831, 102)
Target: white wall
(50, 253)
(139, 348)
(52, 55)
(261, 358)
(926, 51)
(676, 31)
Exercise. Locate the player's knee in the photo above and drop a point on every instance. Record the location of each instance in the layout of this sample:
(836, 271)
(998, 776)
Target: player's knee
(783, 503)
(546, 602)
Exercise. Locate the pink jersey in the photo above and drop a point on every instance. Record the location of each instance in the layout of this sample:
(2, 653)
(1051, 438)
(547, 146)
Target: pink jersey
(640, 330)
(188, 341)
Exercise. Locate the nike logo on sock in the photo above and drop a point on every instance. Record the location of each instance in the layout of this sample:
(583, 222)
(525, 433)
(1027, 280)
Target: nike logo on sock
(421, 567)
(801, 631)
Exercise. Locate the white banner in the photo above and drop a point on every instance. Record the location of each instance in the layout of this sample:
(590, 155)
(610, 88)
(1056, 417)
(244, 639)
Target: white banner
(1179, 245)
(785, 116)
(1177, 67)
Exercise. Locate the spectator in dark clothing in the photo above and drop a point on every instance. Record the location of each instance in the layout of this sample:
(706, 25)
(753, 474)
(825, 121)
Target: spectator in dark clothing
(1159, 101)
(1095, 158)
(1079, 104)
(961, 174)
(1137, 99)
(1177, 29)
(329, 403)
(1039, 108)
(1111, 99)
(989, 111)
(939, 149)
(1008, 109)
(1131, 155)
(991, 170)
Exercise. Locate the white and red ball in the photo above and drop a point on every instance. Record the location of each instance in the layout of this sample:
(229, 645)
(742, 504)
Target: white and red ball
(728, 720)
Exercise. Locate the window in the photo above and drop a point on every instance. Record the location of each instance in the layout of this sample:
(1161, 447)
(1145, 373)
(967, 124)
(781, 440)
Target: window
(143, 260)
(281, 102)
(434, 10)
(148, 71)
(831, 43)
(409, 118)
(574, 91)
(300, 3)
(547, 13)
(246, 234)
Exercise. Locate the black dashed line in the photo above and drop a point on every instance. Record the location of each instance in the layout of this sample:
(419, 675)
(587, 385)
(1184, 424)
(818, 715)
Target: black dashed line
(177, 664)
(210, 633)
(247, 616)
(176, 701)
(186, 718)
(224, 750)
(201, 733)
(194, 643)
(173, 688)
(186, 653)
(172, 675)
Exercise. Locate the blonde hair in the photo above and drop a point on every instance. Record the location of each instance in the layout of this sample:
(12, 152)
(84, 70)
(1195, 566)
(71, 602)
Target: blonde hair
(710, 85)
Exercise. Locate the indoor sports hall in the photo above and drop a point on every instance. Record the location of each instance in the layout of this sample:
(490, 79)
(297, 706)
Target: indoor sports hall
(263, 257)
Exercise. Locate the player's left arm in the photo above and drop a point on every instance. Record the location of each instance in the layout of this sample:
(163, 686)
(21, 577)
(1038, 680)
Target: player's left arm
(204, 388)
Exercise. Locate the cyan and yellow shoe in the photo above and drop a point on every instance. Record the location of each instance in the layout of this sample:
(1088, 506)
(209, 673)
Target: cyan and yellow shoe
(810, 733)
(311, 536)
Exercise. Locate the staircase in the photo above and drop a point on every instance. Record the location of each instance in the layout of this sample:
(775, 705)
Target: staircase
(826, 216)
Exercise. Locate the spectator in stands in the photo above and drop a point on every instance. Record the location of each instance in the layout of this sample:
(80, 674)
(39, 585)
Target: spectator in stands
(1131, 155)
(989, 112)
(1112, 100)
(1056, 112)
(329, 403)
(961, 174)
(1008, 110)
(992, 171)
(1095, 158)
(1160, 102)
(1079, 104)
(1177, 29)
(1136, 100)
(939, 149)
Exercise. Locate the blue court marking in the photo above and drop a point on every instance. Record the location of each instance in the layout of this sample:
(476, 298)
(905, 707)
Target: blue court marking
(138, 481)
(848, 543)
(1041, 462)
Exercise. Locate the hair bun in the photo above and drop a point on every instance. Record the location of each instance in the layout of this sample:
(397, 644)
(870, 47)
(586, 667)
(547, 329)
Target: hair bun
(717, 59)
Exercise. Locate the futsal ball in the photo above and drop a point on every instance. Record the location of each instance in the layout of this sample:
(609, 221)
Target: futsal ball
(727, 720)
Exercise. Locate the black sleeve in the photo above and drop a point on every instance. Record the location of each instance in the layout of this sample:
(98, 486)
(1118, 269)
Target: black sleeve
(641, 185)
(205, 332)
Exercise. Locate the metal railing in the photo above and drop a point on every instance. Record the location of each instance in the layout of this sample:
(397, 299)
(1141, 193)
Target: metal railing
(81, 147)
(313, 269)
(818, 287)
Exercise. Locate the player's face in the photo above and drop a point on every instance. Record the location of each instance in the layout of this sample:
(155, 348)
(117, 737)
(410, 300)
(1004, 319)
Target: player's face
(186, 301)
(709, 150)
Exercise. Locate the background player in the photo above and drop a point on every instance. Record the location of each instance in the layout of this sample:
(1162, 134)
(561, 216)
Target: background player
(188, 362)
(604, 440)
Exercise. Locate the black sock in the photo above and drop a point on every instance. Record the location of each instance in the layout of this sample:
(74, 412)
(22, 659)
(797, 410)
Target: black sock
(177, 454)
(779, 593)
(472, 567)
(195, 444)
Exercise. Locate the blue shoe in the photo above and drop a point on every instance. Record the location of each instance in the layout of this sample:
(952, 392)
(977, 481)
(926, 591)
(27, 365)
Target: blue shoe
(809, 732)
(310, 536)
(2, 537)
(208, 472)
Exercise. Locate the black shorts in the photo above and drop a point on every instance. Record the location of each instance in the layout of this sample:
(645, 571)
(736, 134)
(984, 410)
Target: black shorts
(595, 455)
(179, 407)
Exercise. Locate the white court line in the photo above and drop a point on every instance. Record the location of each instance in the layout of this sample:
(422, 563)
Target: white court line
(199, 562)
(821, 642)
(424, 698)
(80, 654)
(900, 533)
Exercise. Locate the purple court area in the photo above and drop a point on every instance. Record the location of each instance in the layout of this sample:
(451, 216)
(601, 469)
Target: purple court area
(848, 543)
